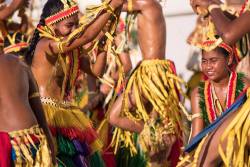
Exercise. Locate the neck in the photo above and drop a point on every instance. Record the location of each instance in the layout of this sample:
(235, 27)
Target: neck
(222, 83)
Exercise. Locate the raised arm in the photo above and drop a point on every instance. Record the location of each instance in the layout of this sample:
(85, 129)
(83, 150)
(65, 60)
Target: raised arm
(95, 69)
(126, 63)
(99, 65)
(10, 9)
(197, 121)
(116, 119)
(230, 31)
(89, 34)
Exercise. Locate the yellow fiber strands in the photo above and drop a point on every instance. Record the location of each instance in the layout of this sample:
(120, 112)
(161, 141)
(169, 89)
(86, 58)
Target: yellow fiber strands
(155, 81)
(63, 60)
(71, 122)
(23, 144)
(236, 139)
(236, 135)
(191, 159)
(92, 12)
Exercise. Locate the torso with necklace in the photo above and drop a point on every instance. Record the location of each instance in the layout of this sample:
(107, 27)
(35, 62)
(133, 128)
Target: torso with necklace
(212, 105)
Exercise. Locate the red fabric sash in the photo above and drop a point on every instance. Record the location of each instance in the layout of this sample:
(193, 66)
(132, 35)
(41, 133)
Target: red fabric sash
(5, 150)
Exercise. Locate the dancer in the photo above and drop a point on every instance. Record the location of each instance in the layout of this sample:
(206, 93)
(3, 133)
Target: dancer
(55, 58)
(25, 139)
(151, 91)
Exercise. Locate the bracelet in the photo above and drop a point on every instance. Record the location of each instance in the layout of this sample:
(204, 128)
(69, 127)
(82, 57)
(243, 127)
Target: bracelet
(196, 115)
(213, 6)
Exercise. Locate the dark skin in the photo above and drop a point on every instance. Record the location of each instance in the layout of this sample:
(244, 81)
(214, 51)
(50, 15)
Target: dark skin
(230, 31)
(127, 66)
(7, 11)
(124, 58)
(150, 19)
(47, 51)
(215, 66)
(209, 155)
(149, 15)
(17, 110)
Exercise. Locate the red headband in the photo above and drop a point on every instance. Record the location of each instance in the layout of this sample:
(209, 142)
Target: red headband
(61, 15)
(223, 45)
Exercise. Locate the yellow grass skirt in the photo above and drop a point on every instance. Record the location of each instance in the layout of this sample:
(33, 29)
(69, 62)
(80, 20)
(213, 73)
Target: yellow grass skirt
(69, 121)
(155, 81)
(27, 151)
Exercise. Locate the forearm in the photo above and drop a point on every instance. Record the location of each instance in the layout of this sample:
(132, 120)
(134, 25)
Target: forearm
(85, 33)
(90, 32)
(85, 65)
(129, 125)
(221, 22)
(231, 30)
(116, 119)
(10, 9)
(195, 130)
(126, 62)
(98, 67)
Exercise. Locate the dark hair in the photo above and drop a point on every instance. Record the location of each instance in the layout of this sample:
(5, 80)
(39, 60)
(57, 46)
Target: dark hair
(50, 8)
(18, 38)
(223, 51)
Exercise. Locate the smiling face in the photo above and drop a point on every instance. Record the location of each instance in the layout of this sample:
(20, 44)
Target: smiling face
(215, 65)
(66, 26)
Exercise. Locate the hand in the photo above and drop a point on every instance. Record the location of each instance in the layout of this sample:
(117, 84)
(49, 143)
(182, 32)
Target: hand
(202, 4)
(116, 3)
(104, 88)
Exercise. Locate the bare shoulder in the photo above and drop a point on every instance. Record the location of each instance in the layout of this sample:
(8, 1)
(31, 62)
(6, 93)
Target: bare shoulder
(45, 45)
(6, 60)
(195, 93)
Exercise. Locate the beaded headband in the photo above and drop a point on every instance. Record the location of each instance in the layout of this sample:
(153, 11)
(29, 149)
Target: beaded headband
(69, 10)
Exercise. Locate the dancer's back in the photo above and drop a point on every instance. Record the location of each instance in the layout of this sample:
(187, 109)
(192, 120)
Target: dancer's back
(16, 87)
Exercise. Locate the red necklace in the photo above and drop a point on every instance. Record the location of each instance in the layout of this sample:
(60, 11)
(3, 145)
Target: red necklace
(210, 106)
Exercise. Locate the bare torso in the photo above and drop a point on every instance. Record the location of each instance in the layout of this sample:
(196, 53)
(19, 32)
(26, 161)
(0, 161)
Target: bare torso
(15, 110)
(43, 67)
(151, 30)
